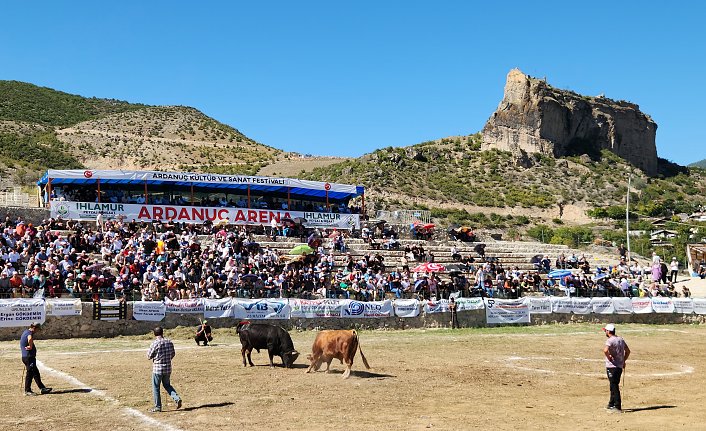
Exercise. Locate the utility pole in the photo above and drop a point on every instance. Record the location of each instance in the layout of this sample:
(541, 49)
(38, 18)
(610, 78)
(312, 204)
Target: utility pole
(627, 217)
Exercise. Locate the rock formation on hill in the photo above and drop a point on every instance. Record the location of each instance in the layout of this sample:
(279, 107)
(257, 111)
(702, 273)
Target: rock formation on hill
(536, 118)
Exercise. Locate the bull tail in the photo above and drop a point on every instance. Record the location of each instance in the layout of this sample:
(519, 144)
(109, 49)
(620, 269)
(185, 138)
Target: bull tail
(362, 356)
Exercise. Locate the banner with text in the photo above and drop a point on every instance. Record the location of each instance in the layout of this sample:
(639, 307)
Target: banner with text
(21, 312)
(539, 305)
(355, 309)
(153, 311)
(184, 306)
(622, 305)
(315, 308)
(406, 307)
(218, 308)
(602, 305)
(63, 307)
(683, 305)
(507, 311)
(662, 305)
(641, 305)
(188, 214)
(462, 304)
(266, 308)
(699, 305)
(571, 305)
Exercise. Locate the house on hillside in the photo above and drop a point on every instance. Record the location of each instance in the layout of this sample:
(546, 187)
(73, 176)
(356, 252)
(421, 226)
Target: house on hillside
(661, 236)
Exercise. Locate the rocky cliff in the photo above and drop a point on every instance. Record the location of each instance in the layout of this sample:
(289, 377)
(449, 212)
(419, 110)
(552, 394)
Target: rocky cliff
(537, 118)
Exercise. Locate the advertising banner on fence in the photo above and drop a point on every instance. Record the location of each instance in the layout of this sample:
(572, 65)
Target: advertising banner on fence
(662, 305)
(356, 309)
(315, 308)
(699, 305)
(683, 305)
(641, 305)
(185, 306)
(63, 307)
(507, 311)
(572, 305)
(265, 308)
(109, 309)
(406, 307)
(218, 308)
(152, 311)
(622, 305)
(187, 214)
(462, 304)
(21, 312)
(540, 305)
(602, 305)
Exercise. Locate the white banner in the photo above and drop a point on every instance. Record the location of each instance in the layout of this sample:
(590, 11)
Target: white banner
(641, 305)
(507, 310)
(266, 308)
(622, 305)
(184, 306)
(315, 308)
(356, 309)
(21, 312)
(188, 214)
(683, 305)
(406, 307)
(152, 311)
(572, 305)
(217, 308)
(602, 305)
(63, 307)
(463, 304)
(540, 305)
(190, 177)
(699, 305)
(440, 306)
(662, 305)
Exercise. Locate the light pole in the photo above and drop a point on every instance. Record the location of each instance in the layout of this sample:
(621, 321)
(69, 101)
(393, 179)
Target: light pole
(627, 217)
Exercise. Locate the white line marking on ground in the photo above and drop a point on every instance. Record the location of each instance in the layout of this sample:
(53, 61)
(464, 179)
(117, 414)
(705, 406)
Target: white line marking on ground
(91, 352)
(512, 362)
(129, 411)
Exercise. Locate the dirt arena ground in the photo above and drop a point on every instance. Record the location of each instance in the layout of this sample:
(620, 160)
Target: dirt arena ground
(549, 377)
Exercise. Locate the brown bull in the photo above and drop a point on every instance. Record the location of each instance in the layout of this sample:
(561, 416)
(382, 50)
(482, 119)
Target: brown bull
(338, 344)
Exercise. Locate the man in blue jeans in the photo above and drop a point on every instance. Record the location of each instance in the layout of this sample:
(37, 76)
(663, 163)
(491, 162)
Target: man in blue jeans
(29, 358)
(161, 353)
(616, 352)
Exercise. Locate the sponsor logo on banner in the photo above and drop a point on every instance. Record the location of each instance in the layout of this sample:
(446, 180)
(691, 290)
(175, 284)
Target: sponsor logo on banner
(462, 304)
(507, 311)
(217, 308)
(699, 305)
(602, 305)
(153, 311)
(572, 305)
(184, 306)
(540, 305)
(21, 312)
(406, 307)
(641, 305)
(683, 305)
(315, 308)
(261, 309)
(366, 309)
(63, 307)
(622, 305)
(239, 216)
(662, 305)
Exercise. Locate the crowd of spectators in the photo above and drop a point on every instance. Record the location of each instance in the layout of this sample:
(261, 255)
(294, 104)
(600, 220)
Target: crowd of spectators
(154, 261)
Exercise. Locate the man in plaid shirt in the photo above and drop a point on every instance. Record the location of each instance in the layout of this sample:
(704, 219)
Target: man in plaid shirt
(161, 353)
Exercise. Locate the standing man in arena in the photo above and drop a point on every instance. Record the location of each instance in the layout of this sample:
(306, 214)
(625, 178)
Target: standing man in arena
(29, 358)
(161, 353)
(616, 352)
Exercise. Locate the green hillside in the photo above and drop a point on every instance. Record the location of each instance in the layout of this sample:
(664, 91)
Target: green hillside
(700, 164)
(20, 101)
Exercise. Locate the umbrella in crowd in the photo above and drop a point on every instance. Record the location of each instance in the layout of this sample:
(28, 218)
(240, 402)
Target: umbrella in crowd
(429, 267)
(334, 234)
(559, 273)
(429, 226)
(536, 258)
(301, 249)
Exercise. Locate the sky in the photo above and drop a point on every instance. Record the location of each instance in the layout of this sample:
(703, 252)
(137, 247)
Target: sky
(346, 78)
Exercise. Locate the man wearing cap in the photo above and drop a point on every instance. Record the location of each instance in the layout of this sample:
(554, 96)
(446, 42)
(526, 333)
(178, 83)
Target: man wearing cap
(203, 333)
(29, 358)
(616, 352)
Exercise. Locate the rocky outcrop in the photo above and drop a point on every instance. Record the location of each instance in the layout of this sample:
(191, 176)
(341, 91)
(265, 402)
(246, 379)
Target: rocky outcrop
(537, 118)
